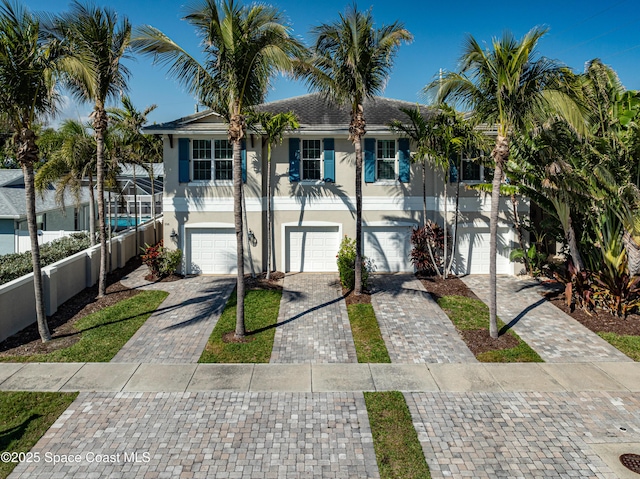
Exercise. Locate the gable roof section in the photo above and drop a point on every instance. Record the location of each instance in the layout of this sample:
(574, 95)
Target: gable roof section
(11, 177)
(315, 115)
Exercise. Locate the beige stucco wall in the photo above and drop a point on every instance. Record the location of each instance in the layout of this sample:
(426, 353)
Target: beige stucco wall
(306, 203)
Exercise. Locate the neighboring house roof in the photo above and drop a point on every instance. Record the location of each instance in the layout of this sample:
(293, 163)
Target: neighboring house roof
(9, 177)
(13, 200)
(314, 113)
(126, 170)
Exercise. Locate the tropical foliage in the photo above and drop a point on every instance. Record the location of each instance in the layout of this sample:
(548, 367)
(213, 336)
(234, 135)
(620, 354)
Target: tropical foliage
(244, 48)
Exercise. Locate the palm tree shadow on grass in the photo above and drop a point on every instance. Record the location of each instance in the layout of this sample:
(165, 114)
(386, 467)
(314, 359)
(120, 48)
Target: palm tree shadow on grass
(14, 433)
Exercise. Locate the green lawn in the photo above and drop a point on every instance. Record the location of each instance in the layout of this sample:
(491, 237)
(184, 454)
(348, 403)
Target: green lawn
(24, 418)
(261, 314)
(370, 346)
(629, 345)
(103, 333)
(469, 314)
(398, 451)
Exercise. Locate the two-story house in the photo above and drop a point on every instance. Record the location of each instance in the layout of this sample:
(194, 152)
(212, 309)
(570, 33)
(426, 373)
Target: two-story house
(313, 188)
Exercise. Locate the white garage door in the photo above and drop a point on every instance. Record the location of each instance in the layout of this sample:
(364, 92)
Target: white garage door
(312, 248)
(389, 247)
(473, 251)
(211, 251)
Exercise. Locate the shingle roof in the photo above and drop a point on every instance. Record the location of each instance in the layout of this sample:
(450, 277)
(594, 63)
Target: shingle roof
(12, 176)
(313, 111)
(13, 200)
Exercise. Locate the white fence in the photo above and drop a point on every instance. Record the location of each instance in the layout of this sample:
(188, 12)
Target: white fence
(23, 241)
(66, 278)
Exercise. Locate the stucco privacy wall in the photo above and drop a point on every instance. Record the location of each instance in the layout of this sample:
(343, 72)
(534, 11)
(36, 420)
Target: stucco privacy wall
(63, 280)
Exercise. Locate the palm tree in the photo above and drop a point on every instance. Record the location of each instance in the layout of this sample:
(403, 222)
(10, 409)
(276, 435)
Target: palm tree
(511, 87)
(273, 126)
(417, 130)
(136, 148)
(244, 48)
(69, 164)
(352, 62)
(95, 41)
(27, 93)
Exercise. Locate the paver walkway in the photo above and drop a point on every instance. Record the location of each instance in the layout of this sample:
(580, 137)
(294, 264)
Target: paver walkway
(313, 324)
(552, 333)
(180, 328)
(412, 324)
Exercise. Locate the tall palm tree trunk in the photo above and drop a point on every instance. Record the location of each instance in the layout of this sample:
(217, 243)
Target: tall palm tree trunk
(572, 241)
(500, 154)
(424, 192)
(92, 212)
(41, 318)
(358, 262)
(269, 223)
(236, 131)
(518, 226)
(100, 126)
(27, 171)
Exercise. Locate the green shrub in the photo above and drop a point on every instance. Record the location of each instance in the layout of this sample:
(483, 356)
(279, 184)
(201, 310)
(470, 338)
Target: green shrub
(169, 261)
(347, 264)
(13, 266)
(160, 260)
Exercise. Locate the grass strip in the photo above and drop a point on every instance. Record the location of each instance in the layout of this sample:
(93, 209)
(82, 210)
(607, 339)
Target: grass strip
(261, 307)
(628, 344)
(370, 346)
(472, 314)
(24, 418)
(398, 451)
(103, 333)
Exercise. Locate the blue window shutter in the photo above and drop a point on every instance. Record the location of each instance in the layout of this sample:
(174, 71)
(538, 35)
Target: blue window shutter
(404, 160)
(329, 161)
(183, 160)
(294, 159)
(243, 153)
(369, 160)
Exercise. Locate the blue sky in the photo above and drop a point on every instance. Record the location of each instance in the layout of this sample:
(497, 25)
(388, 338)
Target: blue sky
(578, 32)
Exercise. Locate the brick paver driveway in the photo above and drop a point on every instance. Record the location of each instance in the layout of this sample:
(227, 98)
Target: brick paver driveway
(554, 335)
(313, 325)
(412, 324)
(179, 330)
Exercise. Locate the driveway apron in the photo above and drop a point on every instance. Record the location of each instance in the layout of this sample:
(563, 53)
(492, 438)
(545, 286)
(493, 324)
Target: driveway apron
(413, 326)
(313, 325)
(208, 435)
(179, 329)
(552, 333)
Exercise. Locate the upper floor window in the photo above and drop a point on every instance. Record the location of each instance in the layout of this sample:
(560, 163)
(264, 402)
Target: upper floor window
(386, 160)
(474, 172)
(223, 156)
(311, 160)
(216, 164)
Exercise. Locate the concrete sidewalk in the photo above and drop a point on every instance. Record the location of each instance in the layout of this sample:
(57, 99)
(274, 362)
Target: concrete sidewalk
(478, 377)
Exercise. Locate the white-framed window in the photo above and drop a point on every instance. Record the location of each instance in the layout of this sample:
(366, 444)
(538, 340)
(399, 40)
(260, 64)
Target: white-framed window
(386, 160)
(212, 161)
(311, 160)
(201, 160)
(223, 160)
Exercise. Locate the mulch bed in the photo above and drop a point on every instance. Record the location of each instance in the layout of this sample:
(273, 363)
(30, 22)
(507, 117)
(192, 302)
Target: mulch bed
(350, 296)
(62, 323)
(477, 340)
(598, 321)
